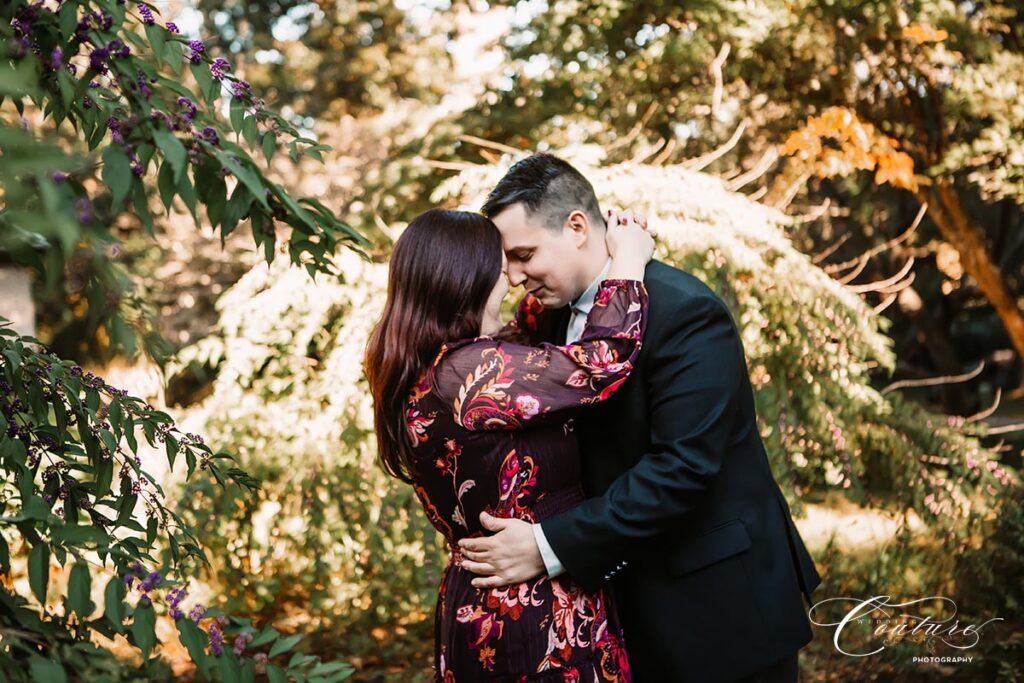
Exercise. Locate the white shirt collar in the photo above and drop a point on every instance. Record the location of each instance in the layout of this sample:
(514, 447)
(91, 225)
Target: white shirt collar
(583, 304)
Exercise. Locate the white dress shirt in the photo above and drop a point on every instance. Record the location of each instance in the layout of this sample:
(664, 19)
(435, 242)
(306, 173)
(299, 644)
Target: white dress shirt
(577, 322)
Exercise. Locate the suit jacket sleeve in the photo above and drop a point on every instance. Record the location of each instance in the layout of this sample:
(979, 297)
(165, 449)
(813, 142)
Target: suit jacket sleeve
(695, 379)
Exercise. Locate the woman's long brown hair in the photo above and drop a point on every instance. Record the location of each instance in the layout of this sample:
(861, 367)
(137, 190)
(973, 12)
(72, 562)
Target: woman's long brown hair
(443, 269)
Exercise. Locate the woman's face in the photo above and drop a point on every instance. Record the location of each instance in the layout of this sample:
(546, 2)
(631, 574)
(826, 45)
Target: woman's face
(491, 321)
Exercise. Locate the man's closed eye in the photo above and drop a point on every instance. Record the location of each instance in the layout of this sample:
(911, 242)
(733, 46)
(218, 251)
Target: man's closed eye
(522, 256)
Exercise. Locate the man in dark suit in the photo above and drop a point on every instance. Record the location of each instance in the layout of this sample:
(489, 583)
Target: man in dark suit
(684, 517)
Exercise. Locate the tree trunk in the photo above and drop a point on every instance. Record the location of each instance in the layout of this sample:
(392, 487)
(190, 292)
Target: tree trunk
(969, 240)
(935, 340)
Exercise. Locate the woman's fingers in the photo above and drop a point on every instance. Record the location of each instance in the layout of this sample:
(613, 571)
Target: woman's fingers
(624, 217)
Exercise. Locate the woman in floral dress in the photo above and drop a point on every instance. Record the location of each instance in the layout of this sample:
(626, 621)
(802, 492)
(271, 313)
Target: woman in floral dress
(477, 422)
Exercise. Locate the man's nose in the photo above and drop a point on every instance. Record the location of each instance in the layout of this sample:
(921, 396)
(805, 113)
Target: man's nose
(516, 276)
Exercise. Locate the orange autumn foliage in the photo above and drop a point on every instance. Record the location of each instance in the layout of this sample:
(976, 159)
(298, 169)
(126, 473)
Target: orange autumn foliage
(838, 143)
(924, 34)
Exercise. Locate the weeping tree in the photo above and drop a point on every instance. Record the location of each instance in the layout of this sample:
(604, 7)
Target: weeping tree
(722, 85)
(813, 346)
(288, 346)
(102, 103)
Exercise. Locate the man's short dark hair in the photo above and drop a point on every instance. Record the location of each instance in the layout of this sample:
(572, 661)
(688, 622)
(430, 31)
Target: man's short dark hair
(548, 188)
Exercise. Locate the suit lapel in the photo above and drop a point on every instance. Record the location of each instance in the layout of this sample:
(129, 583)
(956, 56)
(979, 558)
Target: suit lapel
(552, 325)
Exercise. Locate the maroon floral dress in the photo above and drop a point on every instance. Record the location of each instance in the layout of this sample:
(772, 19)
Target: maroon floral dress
(492, 427)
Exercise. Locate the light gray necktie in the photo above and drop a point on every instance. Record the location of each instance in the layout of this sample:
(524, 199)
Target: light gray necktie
(577, 321)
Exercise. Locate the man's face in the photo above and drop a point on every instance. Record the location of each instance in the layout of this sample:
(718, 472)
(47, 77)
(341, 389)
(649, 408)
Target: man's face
(547, 263)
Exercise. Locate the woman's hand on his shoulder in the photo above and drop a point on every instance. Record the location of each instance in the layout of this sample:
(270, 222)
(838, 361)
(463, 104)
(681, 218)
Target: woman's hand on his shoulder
(630, 243)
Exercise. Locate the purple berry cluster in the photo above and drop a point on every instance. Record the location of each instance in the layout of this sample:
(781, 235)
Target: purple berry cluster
(218, 67)
(144, 582)
(196, 50)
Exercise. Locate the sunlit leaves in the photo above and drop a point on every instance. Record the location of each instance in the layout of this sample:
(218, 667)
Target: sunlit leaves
(921, 34)
(837, 143)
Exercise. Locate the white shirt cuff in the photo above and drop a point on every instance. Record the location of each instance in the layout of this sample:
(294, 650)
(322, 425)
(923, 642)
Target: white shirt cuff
(551, 561)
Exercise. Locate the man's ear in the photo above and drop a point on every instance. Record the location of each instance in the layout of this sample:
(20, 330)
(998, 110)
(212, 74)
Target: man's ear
(580, 226)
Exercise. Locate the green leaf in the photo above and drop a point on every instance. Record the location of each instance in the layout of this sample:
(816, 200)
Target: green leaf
(300, 660)
(15, 450)
(117, 173)
(276, 674)
(151, 529)
(268, 634)
(326, 668)
(217, 199)
(227, 665)
(144, 629)
(237, 109)
(60, 413)
(269, 145)
(116, 416)
(174, 55)
(237, 206)
(89, 440)
(78, 534)
(5, 556)
(314, 151)
(47, 671)
(141, 201)
(67, 18)
(284, 645)
(173, 151)
(150, 430)
(297, 210)
(213, 92)
(108, 439)
(79, 587)
(67, 88)
(113, 603)
(39, 570)
(188, 194)
(157, 39)
(194, 639)
(250, 179)
(249, 130)
(145, 154)
(172, 449)
(104, 476)
(127, 508)
(166, 185)
(129, 435)
(203, 79)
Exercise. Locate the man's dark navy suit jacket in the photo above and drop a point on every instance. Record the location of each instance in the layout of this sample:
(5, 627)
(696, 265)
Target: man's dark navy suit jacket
(683, 515)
